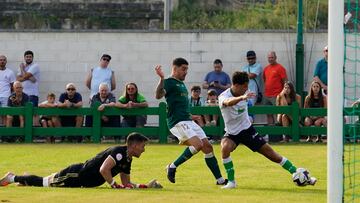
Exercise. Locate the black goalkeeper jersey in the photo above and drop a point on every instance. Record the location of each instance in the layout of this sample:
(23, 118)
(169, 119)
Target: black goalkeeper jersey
(90, 176)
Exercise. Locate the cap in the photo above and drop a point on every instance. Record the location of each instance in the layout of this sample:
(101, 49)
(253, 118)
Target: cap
(250, 54)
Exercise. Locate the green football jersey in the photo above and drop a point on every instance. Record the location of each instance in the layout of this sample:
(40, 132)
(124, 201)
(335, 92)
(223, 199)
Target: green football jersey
(177, 100)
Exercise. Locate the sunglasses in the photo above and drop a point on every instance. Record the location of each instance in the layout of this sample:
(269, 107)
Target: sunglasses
(70, 89)
(131, 88)
(106, 59)
(250, 58)
(326, 50)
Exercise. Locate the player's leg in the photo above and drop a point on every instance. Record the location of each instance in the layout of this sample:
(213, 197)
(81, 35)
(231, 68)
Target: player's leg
(184, 132)
(29, 180)
(269, 153)
(227, 146)
(212, 162)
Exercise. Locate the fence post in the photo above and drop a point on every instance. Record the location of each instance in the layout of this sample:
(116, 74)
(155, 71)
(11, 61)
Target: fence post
(163, 129)
(295, 125)
(96, 122)
(28, 125)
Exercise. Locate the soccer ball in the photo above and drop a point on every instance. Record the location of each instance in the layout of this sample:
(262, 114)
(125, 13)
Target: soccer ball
(301, 177)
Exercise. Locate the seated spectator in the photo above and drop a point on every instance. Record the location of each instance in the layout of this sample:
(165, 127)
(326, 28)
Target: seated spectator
(217, 79)
(49, 121)
(105, 98)
(212, 100)
(16, 99)
(196, 100)
(315, 99)
(286, 97)
(132, 99)
(71, 99)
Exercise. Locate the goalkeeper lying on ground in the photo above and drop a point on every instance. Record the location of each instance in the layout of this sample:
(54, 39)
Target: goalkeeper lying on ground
(95, 171)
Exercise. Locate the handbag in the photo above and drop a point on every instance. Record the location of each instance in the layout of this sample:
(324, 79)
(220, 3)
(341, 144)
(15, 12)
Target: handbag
(259, 96)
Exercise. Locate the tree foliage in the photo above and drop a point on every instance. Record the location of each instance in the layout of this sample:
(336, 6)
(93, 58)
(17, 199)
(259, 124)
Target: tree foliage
(269, 15)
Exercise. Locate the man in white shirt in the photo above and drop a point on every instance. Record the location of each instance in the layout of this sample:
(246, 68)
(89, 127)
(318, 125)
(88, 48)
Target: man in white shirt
(7, 78)
(29, 75)
(233, 106)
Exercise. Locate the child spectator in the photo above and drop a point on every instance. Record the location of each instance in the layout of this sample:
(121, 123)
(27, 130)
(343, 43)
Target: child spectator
(286, 97)
(212, 100)
(315, 99)
(49, 121)
(196, 100)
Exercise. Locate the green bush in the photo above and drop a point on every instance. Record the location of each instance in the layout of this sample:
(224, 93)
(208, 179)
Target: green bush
(268, 15)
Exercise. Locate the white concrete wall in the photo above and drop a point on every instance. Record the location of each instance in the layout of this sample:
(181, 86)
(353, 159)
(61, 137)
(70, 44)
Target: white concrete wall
(68, 56)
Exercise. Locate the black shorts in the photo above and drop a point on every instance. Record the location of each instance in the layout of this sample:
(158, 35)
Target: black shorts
(68, 177)
(249, 138)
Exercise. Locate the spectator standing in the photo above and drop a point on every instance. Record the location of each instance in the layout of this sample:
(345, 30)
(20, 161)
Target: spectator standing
(254, 71)
(29, 75)
(196, 100)
(315, 99)
(274, 76)
(132, 99)
(49, 121)
(16, 99)
(320, 72)
(7, 79)
(71, 99)
(101, 74)
(217, 79)
(286, 97)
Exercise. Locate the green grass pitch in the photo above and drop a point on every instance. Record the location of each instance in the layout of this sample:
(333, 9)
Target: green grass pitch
(258, 179)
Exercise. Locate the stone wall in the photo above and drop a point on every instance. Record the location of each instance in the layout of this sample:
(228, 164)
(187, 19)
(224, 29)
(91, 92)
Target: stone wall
(68, 56)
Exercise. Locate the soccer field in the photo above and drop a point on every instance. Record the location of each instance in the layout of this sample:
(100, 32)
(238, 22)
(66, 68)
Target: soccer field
(258, 179)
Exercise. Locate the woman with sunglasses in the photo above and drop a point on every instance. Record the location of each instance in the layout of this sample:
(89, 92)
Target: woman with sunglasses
(132, 99)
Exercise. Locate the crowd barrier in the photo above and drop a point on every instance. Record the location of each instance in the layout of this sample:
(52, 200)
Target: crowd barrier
(161, 131)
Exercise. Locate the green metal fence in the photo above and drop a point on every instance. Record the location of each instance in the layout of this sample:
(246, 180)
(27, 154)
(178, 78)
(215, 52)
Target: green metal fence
(161, 131)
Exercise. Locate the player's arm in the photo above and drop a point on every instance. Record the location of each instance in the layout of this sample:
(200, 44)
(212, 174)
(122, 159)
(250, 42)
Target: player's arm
(125, 179)
(105, 171)
(160, 91)
(234, 100)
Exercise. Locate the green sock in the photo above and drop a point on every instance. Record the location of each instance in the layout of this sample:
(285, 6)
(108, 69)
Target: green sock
(183, 157)
(289, 167)
(212, 163)
(229, 167)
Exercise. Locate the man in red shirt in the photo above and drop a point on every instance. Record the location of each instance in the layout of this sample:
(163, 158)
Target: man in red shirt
(274, 76)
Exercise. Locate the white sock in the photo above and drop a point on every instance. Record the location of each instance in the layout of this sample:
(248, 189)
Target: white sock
(193, 150)
(46, 182)
(172, 165)
(283, 160)
(12, 179)
(209, 155)
(226, 160)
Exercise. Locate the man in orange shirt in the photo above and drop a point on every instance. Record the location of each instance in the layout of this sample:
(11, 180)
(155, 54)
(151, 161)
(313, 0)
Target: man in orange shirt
(274, 76)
